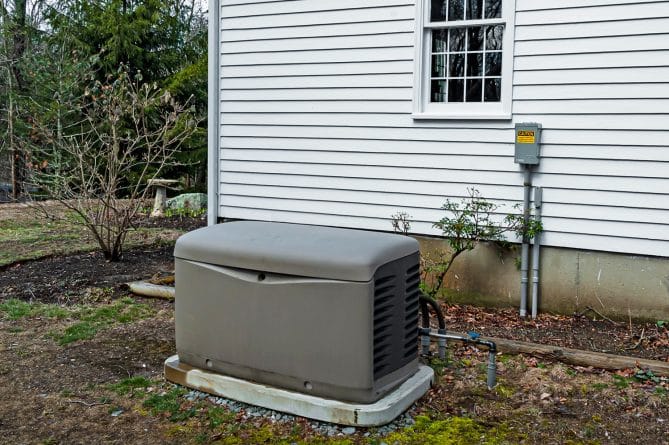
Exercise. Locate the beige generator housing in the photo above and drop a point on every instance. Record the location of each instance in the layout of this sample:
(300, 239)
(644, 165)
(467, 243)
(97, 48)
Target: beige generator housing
(324, 311)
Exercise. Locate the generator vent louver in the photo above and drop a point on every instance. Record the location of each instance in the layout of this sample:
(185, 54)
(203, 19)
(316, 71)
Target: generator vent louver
(396, 291)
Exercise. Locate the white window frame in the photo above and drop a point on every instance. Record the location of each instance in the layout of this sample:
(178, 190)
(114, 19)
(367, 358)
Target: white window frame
(423, 108)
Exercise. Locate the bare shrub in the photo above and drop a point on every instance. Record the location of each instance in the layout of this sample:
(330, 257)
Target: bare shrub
(99, 166)
(465, 224)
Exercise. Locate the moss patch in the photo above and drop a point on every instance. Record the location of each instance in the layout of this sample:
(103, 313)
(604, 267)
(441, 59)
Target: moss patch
(452, 431)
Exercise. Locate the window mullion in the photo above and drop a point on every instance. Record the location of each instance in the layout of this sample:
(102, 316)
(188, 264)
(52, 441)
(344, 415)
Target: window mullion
(465, 23)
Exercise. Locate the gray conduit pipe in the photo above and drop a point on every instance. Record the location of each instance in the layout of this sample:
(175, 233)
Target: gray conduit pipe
(442, 336)
(525, 253)
(426, 302)
(425, 332)
(536, 250)
(492, 353)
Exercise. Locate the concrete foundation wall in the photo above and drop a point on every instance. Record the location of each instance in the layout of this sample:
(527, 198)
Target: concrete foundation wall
(617, 285)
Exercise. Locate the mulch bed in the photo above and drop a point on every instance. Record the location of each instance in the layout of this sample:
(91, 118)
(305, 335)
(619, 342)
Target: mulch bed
(64, 279)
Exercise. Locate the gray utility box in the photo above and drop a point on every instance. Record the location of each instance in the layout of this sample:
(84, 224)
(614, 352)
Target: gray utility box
(528, 144)
(323, 311)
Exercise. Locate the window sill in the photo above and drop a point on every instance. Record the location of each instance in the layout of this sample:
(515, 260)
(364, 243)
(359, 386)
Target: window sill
(462, 117)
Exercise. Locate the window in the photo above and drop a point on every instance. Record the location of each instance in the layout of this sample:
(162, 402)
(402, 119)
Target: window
(464, 59)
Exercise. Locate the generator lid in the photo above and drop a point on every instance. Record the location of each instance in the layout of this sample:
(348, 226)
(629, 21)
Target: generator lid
(295, 249)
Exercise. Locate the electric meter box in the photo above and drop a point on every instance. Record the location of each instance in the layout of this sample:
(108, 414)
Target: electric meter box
(528, 143)
(324, 311)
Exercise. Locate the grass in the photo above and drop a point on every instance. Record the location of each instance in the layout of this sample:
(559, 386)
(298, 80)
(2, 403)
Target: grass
(621, 382)
(77, 332)
(169, 404)
(95, 319)
(89, 320)
(27, 239)
(130, 385)
(29, 236)
(16, 309)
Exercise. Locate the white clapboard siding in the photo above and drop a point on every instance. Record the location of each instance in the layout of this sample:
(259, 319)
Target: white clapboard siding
(317, 18)
(438, 147)
(387, 40)
(537, 5)
(316, 127)
(453, 191)
(624, 76)
(653, 42)
(466, 134)
(347, 69)
(250, 9)
(597, 91)
(300, 80)
(570, 32)
(329, 30)
(592, 14)
(613, 122)
(581, 167)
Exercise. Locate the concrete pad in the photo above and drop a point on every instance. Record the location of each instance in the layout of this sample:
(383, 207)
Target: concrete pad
(303, 405)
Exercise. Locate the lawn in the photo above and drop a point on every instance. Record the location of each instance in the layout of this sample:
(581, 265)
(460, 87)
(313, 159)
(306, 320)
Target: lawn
(25, 234)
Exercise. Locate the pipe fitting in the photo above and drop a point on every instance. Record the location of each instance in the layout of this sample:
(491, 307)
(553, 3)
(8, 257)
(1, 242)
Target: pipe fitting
(441, 342)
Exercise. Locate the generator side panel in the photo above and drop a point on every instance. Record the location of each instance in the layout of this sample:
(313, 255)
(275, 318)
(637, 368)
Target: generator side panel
(305, 334)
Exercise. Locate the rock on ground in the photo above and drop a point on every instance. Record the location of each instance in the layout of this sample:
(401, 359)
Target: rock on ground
(191, 201)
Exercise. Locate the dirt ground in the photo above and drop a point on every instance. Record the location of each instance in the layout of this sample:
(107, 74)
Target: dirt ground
(586, 330)
(108, 388)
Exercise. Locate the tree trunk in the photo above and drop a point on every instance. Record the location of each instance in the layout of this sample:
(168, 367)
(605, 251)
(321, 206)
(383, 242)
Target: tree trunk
(20, 40)
(579, 357)
(15, 83)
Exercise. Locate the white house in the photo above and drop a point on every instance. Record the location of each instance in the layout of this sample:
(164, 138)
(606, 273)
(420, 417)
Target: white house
(343, 112)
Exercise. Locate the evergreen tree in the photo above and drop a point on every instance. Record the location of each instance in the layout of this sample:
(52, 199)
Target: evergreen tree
(161, 42)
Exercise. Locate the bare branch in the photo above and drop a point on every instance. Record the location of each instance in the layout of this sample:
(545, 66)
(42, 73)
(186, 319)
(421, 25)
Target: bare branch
(128, 135)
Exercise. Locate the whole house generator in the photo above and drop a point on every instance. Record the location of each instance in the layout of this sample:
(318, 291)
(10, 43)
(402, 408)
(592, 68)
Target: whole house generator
(319, 312)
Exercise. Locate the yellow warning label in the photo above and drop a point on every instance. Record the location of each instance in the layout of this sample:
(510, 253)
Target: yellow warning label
(526, 137)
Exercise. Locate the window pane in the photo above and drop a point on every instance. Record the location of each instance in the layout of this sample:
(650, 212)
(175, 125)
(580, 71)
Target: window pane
(474, 90)
(474, 65)
(494, 35)
(456, 65)
(456, 90)
(438, 92)
(456, 10)
(474, 9)
(475, 38)
(438, 10)
(439, 65)
(493, 90)
(439, 41)
(466, 62)
(493, 64)
(493, 9)
(457, 39)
